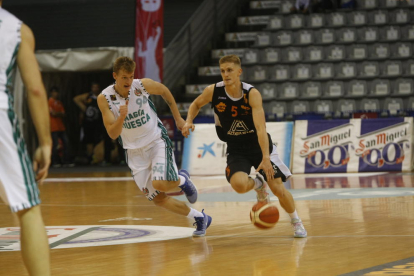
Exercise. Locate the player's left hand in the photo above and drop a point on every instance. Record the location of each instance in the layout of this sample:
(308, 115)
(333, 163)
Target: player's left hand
(180, 123)
(267, 167)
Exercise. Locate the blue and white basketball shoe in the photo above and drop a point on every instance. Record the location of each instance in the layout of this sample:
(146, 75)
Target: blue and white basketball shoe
(188, 187)
(202, 223)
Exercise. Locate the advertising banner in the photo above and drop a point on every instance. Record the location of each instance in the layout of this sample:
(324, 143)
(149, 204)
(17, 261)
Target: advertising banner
(322, 146)
(149, 32)
(384, 145)
(353, 145)
(205, 154)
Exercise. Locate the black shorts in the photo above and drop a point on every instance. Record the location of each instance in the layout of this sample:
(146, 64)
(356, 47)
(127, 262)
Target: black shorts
(93, 133)
(238, 162)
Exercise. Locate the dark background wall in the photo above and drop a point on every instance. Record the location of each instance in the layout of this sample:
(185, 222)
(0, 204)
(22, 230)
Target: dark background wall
(61, 24)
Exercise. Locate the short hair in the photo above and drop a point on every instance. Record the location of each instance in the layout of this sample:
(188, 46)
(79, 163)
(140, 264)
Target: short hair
(124, 63)
(230, 58)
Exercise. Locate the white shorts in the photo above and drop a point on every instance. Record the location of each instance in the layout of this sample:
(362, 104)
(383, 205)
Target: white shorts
(153, 162)
(18, 187)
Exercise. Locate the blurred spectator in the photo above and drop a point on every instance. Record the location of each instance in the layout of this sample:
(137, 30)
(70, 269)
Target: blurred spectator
(324, 5)
(57, 127)
(111, 156)
(92, 124)
(348, 4)
(301, 6)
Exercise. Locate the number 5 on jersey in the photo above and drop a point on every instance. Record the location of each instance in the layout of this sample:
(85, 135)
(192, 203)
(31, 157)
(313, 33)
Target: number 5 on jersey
(234, 111)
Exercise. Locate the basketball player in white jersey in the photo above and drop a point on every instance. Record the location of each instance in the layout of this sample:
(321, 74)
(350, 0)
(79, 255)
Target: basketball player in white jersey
(129, 115)
(235, 104)
(18, 187)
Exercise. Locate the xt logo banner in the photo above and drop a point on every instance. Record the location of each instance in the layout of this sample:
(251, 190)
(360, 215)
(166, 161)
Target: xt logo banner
(239, 128)
(96, 235)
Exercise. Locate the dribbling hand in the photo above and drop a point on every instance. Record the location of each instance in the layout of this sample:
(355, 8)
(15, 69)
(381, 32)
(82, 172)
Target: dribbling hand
(266, 166)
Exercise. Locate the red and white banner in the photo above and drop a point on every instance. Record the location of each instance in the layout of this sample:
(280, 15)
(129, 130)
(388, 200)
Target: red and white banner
(149, 32)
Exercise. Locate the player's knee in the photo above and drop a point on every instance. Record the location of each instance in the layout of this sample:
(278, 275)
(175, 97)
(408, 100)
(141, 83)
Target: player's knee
(159, 185)
(239, 187)
(160, 200)
(277, 187)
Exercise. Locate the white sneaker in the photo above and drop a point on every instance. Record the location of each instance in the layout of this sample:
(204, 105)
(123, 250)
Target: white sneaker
(262, 194)
(298, 228)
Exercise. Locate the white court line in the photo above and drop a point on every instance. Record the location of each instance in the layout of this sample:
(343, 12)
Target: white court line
(346, 236)
(88, 179)
(129, 178)
(86, 205)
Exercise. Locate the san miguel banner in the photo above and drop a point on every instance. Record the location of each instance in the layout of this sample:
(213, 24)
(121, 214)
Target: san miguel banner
(322, 146)
(384, 145)
(353, 145)
(149, 31)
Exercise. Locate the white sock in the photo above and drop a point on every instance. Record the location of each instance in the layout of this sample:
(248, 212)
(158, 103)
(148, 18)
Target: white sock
(294, 215)
(182, 180)
(257, 183)
(194, 213)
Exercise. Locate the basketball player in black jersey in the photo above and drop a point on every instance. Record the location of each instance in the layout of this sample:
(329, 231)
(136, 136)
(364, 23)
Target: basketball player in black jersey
(240, 122)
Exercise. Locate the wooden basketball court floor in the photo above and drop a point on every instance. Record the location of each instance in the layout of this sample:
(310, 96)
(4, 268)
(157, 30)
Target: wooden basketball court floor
(358, 224)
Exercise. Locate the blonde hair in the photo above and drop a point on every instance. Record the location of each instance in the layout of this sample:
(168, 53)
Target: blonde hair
(230, 58)
(124, 63)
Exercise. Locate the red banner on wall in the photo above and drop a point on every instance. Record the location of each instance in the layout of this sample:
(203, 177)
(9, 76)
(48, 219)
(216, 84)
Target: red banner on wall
(149, 32)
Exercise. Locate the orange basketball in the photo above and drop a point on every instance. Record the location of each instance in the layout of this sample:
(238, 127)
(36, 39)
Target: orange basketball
(264, 215)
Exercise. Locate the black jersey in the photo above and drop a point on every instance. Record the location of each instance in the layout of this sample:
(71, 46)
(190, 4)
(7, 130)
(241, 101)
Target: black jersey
(236, 119)
(92, 113)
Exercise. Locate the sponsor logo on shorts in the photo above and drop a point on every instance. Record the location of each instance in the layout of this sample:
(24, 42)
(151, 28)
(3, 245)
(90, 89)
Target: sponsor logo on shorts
(228, 171)
(96, 235)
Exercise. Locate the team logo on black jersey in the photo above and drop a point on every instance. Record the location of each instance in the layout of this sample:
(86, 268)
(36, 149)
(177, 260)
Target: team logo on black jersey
(246, 109)
(137, 92)
(239, 128)
(221, 107)
(113, 98)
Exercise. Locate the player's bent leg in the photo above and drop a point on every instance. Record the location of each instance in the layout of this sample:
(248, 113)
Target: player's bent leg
(241, 182)
(165, 185)
(287, 202)
(188, 187)
(202, 220)
(171, 204)
(34, 242)
(284, 196)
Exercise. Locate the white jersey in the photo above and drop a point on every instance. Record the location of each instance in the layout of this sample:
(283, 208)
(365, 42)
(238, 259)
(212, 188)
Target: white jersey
(9, 44)
(141, 125)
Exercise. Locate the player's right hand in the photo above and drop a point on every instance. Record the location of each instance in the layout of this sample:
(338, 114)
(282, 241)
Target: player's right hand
(186, 129)
(41, 162)
(123, 109)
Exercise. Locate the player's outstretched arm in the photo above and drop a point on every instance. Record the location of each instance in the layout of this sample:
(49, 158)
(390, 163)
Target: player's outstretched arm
(113, 126)
(37, 100)
(156, 88)
(195, 107)
(255, 101)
